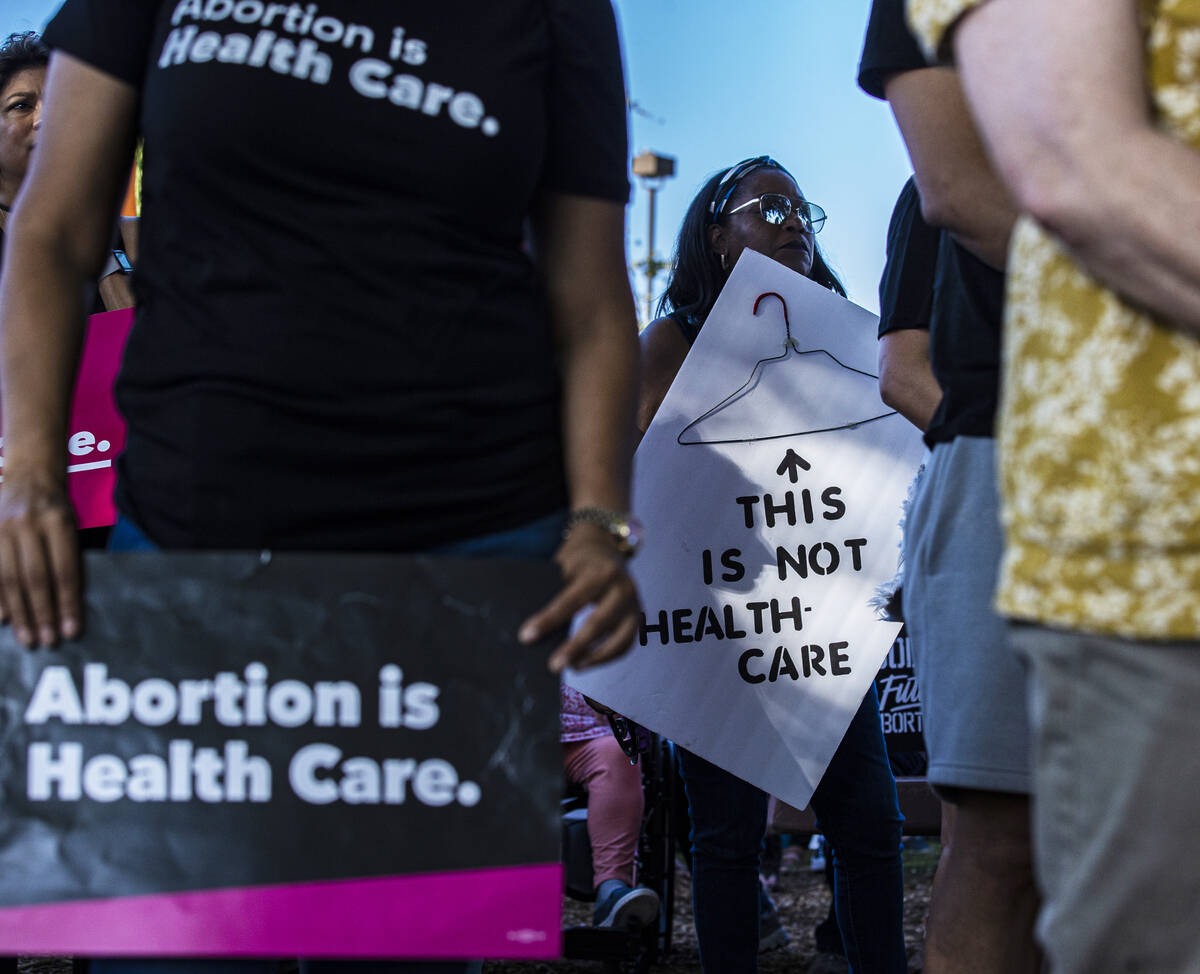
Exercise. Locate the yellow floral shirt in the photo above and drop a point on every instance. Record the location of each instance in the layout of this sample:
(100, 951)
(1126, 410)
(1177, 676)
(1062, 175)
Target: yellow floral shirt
(1099, 428)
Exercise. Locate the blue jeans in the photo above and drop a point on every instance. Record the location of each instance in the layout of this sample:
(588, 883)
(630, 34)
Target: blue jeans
(858, 812)
(537, 539)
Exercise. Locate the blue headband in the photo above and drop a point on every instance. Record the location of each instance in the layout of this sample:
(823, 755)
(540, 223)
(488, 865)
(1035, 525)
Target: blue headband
(733, 176)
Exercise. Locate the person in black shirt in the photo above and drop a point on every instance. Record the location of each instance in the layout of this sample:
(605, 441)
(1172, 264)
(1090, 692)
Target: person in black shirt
(971, 685)
(340, 342)
(906, 380)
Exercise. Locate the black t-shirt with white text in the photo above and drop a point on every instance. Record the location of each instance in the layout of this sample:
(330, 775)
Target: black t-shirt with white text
(341, 341)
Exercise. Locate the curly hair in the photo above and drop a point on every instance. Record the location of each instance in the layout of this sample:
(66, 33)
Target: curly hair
(21, 50)
(696, 276)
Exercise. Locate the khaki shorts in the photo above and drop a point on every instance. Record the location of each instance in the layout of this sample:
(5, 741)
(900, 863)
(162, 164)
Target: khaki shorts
(1116, 811)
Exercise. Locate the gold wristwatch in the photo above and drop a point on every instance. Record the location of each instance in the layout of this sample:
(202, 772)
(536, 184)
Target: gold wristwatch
(627, 530)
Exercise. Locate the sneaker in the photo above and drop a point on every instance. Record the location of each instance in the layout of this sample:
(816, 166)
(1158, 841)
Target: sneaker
(817, 847)
(627, 909)
(771, 933)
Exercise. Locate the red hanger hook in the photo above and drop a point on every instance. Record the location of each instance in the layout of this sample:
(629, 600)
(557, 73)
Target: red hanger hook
(775, 294)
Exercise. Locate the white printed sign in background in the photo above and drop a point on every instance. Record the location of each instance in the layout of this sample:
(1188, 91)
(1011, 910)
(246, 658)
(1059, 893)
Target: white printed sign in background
(770, 484)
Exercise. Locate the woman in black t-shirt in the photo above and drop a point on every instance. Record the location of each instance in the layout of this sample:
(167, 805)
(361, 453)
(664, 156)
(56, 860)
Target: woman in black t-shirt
(757, 205)
(340, 344)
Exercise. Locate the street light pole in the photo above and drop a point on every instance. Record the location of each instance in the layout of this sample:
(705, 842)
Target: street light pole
(653, 169)
(651, 263)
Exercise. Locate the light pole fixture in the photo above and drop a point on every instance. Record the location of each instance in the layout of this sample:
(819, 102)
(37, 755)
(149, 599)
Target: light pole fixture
(652, 169)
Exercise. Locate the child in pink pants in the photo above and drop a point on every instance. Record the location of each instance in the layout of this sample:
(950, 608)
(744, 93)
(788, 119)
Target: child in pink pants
(593, 758)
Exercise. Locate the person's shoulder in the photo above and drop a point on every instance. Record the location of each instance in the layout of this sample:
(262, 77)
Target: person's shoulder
(665, 338)
(113, 36)
(666, 321)
(889, 48)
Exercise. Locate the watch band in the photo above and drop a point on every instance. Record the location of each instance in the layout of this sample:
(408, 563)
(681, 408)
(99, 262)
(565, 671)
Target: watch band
(625, 528)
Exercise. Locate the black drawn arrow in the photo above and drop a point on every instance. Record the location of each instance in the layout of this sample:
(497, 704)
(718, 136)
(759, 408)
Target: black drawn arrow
(791, 464)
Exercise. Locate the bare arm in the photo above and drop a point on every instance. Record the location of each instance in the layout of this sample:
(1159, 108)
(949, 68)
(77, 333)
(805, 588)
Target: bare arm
(663, 350)
(959, 190)
(1069, 127)
(61, 228)
(906, 381)
(115, 291)
(580, 244)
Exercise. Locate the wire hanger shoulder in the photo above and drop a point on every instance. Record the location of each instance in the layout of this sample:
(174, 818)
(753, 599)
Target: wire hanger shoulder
(790, 346)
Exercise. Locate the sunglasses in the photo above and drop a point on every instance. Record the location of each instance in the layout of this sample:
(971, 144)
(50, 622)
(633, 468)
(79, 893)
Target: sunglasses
(775, 208)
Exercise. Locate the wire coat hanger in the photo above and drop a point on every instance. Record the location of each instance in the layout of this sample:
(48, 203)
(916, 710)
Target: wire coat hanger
(790, 346)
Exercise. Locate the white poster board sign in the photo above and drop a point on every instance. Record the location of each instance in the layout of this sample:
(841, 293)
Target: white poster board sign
(770, 484)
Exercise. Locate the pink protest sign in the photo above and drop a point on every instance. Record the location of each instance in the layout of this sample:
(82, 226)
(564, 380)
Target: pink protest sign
(97, 432)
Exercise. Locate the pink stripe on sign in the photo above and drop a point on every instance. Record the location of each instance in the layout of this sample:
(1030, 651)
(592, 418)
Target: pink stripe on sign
(97, 432)
(513, 912)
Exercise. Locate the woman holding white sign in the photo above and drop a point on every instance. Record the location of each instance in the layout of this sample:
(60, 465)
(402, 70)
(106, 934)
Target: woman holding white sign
(758, 205)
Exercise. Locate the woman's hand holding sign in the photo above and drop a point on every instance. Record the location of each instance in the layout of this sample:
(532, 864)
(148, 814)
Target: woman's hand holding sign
(594, 574)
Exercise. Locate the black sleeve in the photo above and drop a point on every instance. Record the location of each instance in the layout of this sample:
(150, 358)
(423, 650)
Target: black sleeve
(889, 47)
(587, 152)
(906, 287)
(111, 35)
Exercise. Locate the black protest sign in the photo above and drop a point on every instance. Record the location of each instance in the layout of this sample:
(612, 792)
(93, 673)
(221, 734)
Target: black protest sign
(253, 732)
(899, 700)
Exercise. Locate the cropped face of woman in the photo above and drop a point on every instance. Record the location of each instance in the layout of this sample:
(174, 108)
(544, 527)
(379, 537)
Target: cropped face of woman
(744, 222)
(20, 119)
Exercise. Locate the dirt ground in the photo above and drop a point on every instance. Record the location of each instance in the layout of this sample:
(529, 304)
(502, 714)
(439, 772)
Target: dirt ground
(802, 899)
(800, 895)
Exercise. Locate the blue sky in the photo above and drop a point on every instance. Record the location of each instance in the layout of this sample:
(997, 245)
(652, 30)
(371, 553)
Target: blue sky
(721, 81)
(27, 14)
(731, 80)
